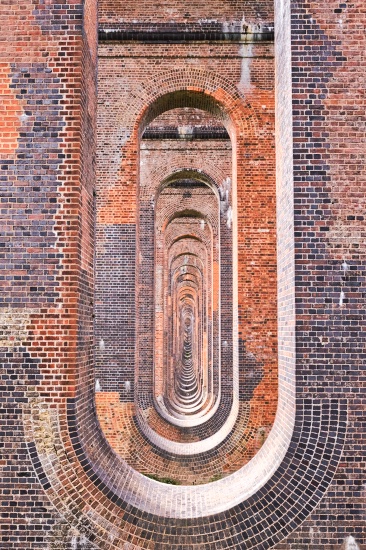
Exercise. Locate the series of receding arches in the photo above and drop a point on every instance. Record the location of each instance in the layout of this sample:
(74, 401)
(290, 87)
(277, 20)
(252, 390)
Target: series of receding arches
(116, 504)
(186, 233)
(187, 289)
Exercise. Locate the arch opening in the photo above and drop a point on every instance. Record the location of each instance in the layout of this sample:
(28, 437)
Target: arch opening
(187, 362)
(225, 412)
(188, 202)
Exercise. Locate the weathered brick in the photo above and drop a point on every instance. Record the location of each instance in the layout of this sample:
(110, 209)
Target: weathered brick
(89, 198)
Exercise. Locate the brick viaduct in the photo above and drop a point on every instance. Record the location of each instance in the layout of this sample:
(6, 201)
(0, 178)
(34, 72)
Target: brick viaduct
(182, 308)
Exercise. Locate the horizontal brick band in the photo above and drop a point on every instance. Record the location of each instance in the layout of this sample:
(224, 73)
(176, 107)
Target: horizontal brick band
(177, 33)
(171, 132)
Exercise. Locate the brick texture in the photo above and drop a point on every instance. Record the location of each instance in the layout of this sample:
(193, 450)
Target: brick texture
(182, 199)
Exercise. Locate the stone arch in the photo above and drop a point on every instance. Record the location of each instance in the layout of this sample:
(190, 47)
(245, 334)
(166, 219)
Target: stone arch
(201, 212)
(206, 90)
(126, 506)
(190, 86)
(167, 174)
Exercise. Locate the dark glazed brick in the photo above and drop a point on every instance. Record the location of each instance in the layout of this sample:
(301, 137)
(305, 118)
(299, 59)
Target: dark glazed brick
(56, 463)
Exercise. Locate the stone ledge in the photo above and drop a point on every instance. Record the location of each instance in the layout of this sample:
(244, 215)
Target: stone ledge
(177, 33)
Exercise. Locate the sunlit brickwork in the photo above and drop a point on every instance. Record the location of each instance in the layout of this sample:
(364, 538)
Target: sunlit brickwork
(182, 273)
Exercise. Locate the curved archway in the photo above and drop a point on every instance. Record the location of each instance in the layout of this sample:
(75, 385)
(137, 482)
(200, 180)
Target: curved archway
(173, 220)
(113, 493)
(194, 96)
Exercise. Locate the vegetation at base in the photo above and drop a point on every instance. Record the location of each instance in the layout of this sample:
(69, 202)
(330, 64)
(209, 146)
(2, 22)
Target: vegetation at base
(167, 480)
(216, 477)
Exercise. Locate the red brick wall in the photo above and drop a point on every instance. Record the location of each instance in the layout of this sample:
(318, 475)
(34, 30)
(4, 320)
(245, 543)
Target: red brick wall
(47, 140)
(61, 485)
(196, 12)
(329, 191)
(131, 74)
